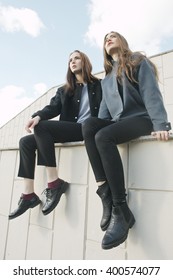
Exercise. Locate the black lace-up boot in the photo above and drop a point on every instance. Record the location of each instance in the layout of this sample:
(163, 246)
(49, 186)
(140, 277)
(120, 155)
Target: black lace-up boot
(53, 197)
(24, 205)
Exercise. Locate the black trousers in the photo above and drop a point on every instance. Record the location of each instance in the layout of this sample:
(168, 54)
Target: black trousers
(101, 139)
(46, 134)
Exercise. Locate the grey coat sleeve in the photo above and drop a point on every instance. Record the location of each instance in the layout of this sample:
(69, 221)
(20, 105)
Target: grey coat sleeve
(152, 97)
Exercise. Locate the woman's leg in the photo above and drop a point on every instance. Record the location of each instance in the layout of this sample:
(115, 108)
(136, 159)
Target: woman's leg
(47, 133)
(28, 186)
(107, 140)
(90, 128)
(28, 199)
(27, 150)
(101, 144)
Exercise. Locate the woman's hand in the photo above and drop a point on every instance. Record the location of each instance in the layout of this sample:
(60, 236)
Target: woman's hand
(161, 135)
(32, 123)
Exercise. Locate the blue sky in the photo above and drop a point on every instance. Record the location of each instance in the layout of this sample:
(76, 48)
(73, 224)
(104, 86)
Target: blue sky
(37, 37)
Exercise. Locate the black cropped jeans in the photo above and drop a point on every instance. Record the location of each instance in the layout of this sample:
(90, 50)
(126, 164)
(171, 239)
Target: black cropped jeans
(46, 134)
(101, 139)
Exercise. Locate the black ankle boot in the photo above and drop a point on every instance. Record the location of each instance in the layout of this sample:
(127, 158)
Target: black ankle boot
(106, 197)
(117, 231)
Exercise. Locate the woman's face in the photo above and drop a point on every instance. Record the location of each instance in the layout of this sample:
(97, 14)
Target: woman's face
(111, 43)
(75, 63)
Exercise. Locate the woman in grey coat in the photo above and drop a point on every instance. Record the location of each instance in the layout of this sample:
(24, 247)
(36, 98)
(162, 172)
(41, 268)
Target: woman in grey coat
(131, 107)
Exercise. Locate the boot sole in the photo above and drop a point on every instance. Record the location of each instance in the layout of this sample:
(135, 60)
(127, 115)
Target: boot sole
(117, 243)
(66, 185)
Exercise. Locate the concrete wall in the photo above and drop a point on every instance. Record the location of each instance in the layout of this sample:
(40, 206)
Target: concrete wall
(72, 230)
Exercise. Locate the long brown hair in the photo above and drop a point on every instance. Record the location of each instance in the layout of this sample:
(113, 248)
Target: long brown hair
(127, 60)
(86, 73)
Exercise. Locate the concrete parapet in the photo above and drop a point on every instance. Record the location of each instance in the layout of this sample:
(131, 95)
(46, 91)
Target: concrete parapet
(72, 230)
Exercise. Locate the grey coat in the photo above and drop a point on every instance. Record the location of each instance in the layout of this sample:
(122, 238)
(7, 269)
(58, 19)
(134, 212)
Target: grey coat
(143, 99)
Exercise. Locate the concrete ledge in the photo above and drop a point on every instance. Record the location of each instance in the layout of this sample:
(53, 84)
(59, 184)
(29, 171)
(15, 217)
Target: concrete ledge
(150, 138)
(140, 139)
(81, 143)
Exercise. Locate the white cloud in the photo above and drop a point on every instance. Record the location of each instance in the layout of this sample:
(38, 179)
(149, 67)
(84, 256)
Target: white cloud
(14, 19)
(39, 89)
(144, 23)
(14, 100)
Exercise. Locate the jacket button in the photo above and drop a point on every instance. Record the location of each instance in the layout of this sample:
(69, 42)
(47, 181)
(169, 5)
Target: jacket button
(93, 92)
(95, 107)
(75, 118)
(78, 100)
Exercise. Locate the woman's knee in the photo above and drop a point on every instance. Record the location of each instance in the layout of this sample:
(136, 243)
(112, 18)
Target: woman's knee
(39, 126)
(27, 141)
(87, 126)
(23, 141)
(100, 138)
(103, 137)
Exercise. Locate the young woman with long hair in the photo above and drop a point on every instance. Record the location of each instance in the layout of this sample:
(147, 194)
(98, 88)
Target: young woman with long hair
(74, 102)
(131, 107)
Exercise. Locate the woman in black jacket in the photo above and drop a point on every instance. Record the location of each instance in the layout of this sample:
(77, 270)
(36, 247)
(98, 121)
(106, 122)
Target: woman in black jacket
(74, 102)
(132, 106)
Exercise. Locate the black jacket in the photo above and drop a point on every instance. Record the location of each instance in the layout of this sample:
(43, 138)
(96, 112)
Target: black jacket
(67, 107)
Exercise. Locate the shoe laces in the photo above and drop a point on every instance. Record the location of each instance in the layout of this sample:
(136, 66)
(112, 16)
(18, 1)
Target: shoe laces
(20, 199)
(48, 193)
